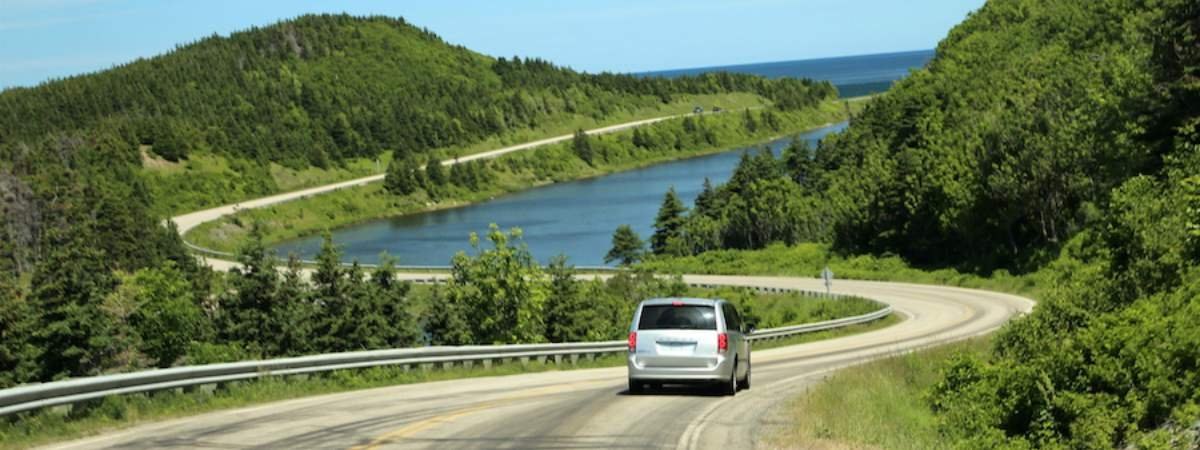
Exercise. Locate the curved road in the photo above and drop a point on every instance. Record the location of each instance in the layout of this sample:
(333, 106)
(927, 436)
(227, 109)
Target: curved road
(577, 408)
(583, 408)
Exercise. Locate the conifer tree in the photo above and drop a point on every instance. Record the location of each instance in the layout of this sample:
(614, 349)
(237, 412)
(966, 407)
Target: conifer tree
(564, 306)
(582, 145)
(69, 285)
(247, 309)
(292, 314)
(18, 356)
(393, 299)
(668, 224)
(627, 247)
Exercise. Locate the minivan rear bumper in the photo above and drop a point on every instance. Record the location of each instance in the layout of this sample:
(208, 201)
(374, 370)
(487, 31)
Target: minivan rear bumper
(720, 371)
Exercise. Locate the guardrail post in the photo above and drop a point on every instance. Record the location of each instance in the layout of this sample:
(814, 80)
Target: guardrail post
(487, 363)
(524, 361)
(574, 359)
(426, 367)
(557, 360)
(448, 365)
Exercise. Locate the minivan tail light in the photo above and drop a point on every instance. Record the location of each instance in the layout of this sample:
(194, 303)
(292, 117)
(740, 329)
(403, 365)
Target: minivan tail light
(632, 341)
(722, 341)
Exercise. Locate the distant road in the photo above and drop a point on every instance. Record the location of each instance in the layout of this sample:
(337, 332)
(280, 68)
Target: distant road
(585, 408)
(186, 222)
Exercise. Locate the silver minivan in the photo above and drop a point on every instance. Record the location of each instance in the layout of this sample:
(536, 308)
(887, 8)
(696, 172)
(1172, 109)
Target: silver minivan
(688, 340)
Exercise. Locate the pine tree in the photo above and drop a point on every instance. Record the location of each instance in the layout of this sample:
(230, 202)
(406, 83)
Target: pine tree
(18, 356)
(798, 161)
(627, 247)
(362, 325)
(435, 173)
(435, 176)
(246, 310)
(417, 174)
(563, 304)
(330, 294)
(447, 324)
(749, 121)
(69, 286)
(668, 225)
(706, 200)
(399, 179)
(401, 330)
(290, 326)
(639, 138)
(582, 145)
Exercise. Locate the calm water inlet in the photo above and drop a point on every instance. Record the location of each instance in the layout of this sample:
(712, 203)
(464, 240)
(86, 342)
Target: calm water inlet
(574, 218)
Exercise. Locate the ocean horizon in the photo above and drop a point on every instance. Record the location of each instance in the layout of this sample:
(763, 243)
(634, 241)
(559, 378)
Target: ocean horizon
(854, 75)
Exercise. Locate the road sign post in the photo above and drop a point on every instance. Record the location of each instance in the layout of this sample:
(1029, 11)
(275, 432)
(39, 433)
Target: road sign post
(827, 275)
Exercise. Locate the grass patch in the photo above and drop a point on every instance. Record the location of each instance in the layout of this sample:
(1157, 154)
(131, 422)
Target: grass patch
(564, 125)
(875, 405)
(511, 173)
(887, 321)
(808, 259)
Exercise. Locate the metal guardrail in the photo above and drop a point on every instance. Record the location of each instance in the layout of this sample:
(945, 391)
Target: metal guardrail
(66, 392)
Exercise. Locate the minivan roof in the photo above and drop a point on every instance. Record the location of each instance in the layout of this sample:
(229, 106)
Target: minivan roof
(685, 300)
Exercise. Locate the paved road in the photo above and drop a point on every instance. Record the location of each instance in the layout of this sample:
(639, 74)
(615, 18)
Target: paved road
(583, 408)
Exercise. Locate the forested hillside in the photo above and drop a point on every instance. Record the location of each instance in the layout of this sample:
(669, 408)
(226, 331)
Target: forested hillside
(1058, 137)
(319, 89)
(91, 280)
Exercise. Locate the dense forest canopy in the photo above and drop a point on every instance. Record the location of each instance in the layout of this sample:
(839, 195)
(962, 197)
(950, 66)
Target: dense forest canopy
(1060, 138)
(1008, 144)
(318, 89)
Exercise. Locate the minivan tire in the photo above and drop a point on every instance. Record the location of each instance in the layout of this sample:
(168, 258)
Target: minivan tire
(746, 381)
(635, 387)
(731, 387)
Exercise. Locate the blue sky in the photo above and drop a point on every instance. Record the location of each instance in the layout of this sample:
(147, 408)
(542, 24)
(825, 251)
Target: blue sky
(41, 39)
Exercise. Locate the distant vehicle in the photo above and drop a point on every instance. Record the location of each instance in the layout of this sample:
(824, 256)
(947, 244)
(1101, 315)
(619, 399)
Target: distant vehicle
(716, 109)
(698, 110)
(688, 341)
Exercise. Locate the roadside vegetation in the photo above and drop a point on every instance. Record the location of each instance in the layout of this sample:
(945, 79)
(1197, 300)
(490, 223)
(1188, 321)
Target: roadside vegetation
(809, 259)
(157, 321)
(1050, 149)
(880, 404)
(415, 185)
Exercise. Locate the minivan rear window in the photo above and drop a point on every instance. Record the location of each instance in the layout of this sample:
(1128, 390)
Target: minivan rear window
(682, 317)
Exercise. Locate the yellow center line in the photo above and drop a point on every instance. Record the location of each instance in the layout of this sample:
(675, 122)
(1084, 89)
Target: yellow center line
(425, 424)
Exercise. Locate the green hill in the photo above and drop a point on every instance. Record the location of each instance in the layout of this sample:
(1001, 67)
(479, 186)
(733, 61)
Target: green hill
(322, 91)
(1056, 140)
